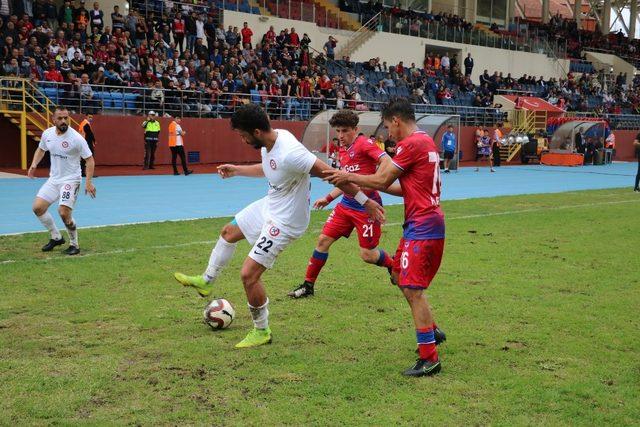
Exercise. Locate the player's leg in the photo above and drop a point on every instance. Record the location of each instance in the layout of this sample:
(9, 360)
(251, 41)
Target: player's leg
(68, 196)
(247, 224)
(147, 152)
(316, 262)
(428, 362)
(637, 186)
(337, 225)
(490, 157)
(47, 194)
(220, 257)
(65, 213)
(415, 266)
(369, 233)
(270, 243)
(258, 302)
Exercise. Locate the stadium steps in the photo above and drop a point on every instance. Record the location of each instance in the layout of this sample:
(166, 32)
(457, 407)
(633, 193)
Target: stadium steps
(33, 130)
(28, 108)
(346, 21)
(360, 37)
(263, 10)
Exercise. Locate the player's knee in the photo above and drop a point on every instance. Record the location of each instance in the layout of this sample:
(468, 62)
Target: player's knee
(412, 295)
(38, 209)
(248, 277)
(324, 243)
(65, 214)
(231, 233)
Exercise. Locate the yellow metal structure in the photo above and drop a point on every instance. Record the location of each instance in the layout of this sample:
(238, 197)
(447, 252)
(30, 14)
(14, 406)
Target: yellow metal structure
(523, 121)
(26, 106)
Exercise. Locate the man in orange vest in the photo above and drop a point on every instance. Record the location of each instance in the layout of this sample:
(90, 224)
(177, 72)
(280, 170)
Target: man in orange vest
(85, 130)
(176, 145)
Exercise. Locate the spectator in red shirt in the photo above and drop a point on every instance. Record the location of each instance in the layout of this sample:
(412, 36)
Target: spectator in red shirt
(246, 35)
(53, 74)
(294, 39)
(270, 36)
(178, 31)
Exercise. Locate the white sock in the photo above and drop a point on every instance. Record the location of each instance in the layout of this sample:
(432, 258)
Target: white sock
(47, 220)
(260, 315)
(220, 257)
(73, 233)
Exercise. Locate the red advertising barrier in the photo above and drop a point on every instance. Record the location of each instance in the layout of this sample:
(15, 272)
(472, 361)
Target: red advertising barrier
(120, 141)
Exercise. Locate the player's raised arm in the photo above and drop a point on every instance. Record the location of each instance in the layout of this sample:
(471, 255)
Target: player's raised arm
(374, 210)
(229, 171)
(386, 175)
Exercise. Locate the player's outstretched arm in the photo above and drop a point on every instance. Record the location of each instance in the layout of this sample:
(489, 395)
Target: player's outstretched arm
(326, 200)
(386, 175)
(37, 157)
(229, 171)
(375, 211)
(394, 189)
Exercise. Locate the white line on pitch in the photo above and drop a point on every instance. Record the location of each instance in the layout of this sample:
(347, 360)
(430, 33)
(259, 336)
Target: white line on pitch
(392, 224)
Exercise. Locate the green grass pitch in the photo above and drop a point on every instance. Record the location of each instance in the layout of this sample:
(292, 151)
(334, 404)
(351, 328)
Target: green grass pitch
(539, 296)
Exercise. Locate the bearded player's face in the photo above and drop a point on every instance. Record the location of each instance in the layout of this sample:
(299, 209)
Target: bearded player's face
(61, 120)
(253, 139)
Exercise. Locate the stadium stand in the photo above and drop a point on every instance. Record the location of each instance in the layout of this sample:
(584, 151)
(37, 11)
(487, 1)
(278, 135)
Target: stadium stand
(182, 61)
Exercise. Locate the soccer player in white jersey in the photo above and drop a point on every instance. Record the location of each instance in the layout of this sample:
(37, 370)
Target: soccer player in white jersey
(273, 222)
(65, 146)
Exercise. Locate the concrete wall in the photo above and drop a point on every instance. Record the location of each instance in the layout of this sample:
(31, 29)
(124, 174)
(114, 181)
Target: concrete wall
(604, 61)
(394, 48)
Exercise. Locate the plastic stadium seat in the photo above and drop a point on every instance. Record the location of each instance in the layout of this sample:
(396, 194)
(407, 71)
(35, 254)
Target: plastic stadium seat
(118, 100)
(255, 97)
(51, 93)
(130, 101)
(105, 97)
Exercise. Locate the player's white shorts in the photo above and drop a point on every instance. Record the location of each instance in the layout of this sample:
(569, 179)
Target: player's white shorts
(267, 238)
(66, 193)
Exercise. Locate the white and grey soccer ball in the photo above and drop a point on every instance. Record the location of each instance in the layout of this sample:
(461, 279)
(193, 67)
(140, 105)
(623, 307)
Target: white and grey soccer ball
(219, 314)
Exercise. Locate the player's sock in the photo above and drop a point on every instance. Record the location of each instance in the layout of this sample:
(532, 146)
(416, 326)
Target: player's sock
(47, 220)
(73, 233)
(316, 262)
(426, 344)
(260, 315)
(385, 260)
(220, 257)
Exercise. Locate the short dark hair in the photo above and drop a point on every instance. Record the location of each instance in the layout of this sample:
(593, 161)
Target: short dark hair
(401, 108)
(345, 118)
(250, 117)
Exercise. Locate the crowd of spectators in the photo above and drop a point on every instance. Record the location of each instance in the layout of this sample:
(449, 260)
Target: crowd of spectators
(187, 63)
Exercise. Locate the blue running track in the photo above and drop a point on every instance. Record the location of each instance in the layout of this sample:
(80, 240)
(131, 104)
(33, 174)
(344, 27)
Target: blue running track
(136, 199)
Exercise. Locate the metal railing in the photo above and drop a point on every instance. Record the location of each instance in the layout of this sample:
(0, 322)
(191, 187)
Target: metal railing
(187, 103)
(475, 36)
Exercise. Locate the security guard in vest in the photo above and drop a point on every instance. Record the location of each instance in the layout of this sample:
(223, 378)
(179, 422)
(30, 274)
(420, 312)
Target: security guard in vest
(151, 134)
(85, 130)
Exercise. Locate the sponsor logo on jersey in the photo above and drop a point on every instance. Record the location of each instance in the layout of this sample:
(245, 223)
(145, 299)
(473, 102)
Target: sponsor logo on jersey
(352, 154)
(67, 187)
(273, 164)
(274, 231)
(352, 168)
(65, 144)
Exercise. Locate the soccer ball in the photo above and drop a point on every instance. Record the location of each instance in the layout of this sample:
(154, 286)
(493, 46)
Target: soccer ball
(219, 314)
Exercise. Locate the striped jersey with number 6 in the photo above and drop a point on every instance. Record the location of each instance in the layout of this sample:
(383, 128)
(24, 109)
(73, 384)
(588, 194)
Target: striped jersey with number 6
(417, 156)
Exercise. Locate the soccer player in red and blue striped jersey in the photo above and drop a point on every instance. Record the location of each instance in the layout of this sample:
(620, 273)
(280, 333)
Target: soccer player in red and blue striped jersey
(420, 250)
(358, 154)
